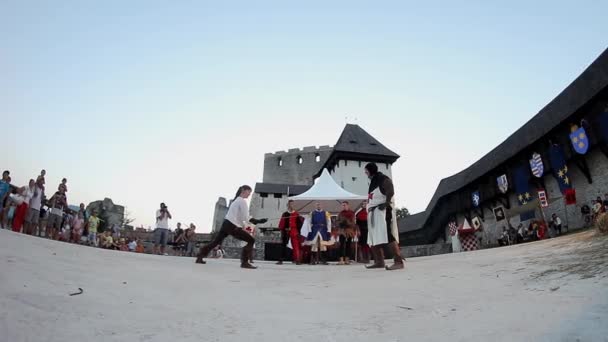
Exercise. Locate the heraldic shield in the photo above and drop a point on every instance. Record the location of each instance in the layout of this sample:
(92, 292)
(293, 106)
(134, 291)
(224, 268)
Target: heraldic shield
(579, 140)
(536, 165)
(503, 184)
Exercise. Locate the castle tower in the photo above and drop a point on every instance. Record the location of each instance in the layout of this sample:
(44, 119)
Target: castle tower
(354, 149)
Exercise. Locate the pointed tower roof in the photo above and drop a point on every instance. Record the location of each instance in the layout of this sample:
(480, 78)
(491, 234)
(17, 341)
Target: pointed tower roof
(356, 144)
(355, 139)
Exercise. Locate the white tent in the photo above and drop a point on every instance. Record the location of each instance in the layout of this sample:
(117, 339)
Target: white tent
(327, 192)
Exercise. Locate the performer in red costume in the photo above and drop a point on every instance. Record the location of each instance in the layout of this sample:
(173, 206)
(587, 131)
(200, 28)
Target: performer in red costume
(290, 226)
(361, 217)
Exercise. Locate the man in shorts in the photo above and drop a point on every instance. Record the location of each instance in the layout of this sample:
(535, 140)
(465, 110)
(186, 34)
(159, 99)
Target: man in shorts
(33, 212)
(161, 233)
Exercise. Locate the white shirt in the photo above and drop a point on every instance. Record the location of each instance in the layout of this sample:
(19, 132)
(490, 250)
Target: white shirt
(557, 221)
(132, 245)
(28, 194)
(163, 222)
(238, 212)
(36, 200)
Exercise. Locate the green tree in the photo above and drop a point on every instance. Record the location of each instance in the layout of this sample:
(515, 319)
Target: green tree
(402, 212)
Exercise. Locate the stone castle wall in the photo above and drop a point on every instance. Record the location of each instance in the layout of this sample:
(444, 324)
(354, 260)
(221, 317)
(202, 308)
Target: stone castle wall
(295, 166)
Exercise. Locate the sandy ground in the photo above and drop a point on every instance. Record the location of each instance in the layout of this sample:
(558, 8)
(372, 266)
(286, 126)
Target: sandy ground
(554, 290)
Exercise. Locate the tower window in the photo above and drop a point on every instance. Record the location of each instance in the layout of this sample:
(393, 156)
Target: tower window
(280, 162)
(317, 157)
(300, 160)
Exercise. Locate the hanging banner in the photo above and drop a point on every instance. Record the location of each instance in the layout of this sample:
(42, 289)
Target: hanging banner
(542, 198)
(503, 184)
(536, 165)
(475, 198)
(579, 140)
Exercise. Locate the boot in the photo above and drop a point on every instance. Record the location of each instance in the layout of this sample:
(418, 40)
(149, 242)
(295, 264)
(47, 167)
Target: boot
(341, 262)
(399, 260)
(201, 254)
(280, 262)
(323, 258)
(378, 253)
(346, 261)
(245, 256)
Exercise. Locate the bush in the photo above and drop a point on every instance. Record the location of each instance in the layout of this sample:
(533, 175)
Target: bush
(602, 223)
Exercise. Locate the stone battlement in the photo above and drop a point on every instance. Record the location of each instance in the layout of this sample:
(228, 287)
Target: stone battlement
(307, 149)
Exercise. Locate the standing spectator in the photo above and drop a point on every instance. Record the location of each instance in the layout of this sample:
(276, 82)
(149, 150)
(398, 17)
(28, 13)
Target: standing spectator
(77, 226)
(191, 240)
(116, 231)
(557, 224)
(57, 203)
(63, 187)
(91, 228)
(179, 240)
(5, 188)
(33, 213)
(40, 180)
(25, 194)
(9, 213)
(162, 229)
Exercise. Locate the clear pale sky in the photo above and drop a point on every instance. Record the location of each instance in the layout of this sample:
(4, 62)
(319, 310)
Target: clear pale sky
(177, 101)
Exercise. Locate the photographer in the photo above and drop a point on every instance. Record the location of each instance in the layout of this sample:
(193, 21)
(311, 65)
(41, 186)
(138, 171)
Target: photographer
(162, 229)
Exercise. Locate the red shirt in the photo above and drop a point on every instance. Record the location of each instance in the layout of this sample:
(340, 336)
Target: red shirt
(362, 215)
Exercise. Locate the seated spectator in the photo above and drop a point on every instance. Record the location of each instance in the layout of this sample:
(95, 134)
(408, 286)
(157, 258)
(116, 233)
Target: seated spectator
(541, 230)
(521, 234)
(107, 241)
(122, 245)
(596, 208)
(132, 245)
(140, 247)
(512, 234)
(586, 213)
(557, 224)
(503, 240)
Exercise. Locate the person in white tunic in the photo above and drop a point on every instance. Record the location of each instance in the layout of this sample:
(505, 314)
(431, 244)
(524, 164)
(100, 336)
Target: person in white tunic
(381, 222)
(236, 219)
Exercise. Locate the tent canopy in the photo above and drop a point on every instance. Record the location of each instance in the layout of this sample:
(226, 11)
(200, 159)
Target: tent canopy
(327, 192)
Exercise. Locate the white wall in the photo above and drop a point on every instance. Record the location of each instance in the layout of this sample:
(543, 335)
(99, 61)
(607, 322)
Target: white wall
(350, 175)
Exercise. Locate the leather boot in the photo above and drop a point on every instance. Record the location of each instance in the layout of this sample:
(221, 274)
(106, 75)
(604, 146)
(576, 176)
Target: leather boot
(398, 259)
(378, 254)
(245, 255)
(203, 252)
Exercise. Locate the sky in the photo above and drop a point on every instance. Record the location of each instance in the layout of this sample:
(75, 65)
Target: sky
(177, 101)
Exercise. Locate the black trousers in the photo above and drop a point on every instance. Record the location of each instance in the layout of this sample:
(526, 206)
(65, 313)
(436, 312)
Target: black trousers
(230, 229)
(284, 242)
(389, 224)
(345, 245)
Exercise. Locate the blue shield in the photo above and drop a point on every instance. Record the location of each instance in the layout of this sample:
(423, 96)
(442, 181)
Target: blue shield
(536, 165)
(580, 141)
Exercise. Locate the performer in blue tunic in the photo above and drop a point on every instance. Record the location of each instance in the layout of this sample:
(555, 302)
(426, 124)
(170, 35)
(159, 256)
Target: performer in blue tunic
(319, 237)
